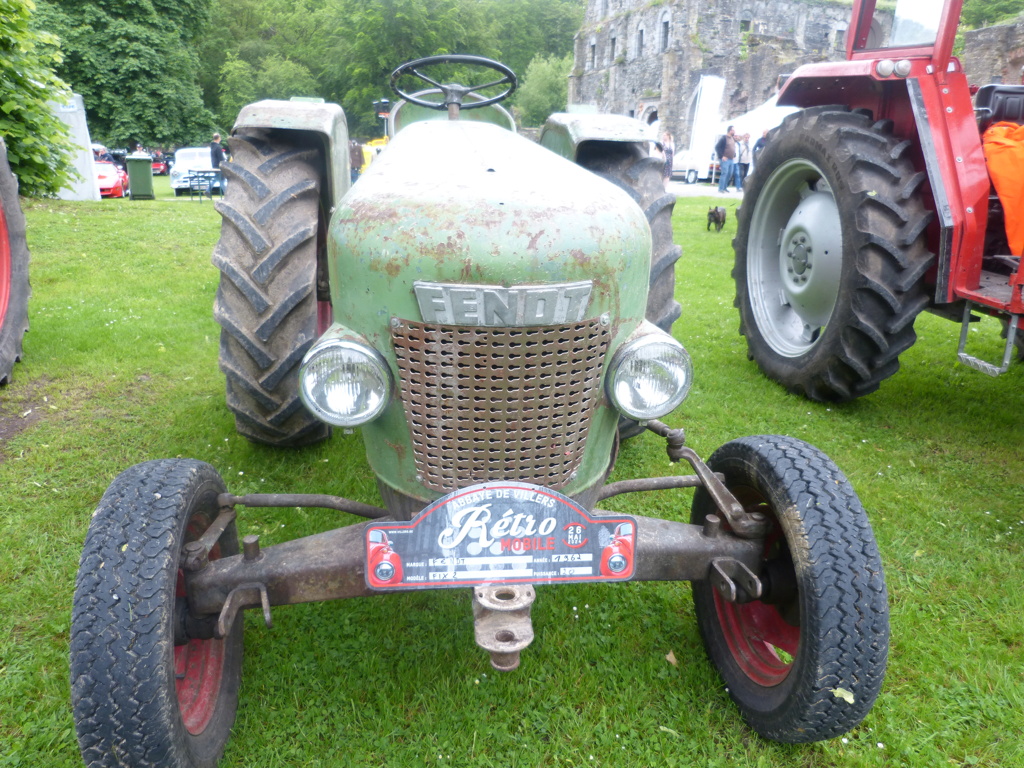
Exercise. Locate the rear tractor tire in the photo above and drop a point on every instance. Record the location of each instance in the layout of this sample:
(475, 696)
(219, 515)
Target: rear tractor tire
(640, 176)
(267, 298)
(14, 258)
(831, 254)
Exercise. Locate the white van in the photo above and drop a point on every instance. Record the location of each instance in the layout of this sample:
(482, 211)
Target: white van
(190, 159)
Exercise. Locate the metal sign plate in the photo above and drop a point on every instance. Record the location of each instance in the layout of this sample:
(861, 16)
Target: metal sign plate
(499, 533)
(494, 306)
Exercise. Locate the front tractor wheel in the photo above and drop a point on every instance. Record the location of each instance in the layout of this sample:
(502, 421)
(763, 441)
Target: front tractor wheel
(267, 298)
(831, 254)
(142, 693)
(804, 662)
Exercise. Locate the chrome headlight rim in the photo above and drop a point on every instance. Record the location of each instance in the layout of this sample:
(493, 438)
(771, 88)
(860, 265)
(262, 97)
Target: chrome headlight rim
(385, 571)
(629, 351)
(617, 563)
(372, 357)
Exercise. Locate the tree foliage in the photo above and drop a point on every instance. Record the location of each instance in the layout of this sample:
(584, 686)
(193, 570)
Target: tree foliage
(350, 47)
(38, 143)
(980, 13)
(135, 64)
(167, 71)
(545, 88)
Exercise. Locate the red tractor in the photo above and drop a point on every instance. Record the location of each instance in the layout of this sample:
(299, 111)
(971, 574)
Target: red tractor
(874, 203)
(14, 290)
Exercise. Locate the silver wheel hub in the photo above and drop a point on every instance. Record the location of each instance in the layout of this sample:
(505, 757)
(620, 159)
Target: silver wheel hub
(794, 258)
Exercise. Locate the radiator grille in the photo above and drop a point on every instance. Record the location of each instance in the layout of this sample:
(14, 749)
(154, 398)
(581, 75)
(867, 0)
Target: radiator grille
(499, 403)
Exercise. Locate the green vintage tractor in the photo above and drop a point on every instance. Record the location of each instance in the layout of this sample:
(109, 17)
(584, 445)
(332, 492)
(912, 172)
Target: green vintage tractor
(494, 315)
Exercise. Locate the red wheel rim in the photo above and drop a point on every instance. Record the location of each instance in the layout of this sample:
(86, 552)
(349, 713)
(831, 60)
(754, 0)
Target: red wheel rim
(198, 668)
(5, 267)
(762, 642)
(756, 633)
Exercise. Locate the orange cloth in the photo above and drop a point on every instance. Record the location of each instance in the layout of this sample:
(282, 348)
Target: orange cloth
(1003, 144)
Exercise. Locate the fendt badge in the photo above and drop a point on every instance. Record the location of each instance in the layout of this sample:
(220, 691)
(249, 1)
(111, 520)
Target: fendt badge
(495, 306)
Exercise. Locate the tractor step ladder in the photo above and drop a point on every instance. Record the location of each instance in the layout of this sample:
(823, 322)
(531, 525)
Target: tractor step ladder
(981, 365)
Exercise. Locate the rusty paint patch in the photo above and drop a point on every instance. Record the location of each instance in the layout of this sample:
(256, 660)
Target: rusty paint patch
(399, 450)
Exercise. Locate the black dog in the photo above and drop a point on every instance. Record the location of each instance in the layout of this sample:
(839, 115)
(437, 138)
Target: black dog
(716, 216)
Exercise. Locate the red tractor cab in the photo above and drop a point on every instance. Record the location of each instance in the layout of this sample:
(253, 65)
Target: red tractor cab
(873, 203)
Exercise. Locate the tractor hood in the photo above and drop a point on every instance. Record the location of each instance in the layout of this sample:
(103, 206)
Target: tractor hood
(470, 203)
(452, 208)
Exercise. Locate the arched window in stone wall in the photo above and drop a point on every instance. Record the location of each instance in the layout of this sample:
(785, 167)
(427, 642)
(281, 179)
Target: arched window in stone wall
(747, 25)
(613, 46)
(664, 31)
(603, 9)
(639, 44)
(592, 54)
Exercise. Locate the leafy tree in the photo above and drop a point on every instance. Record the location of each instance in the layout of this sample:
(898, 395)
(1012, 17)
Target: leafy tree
(545, 88)
(350, 47)
(38, 143)
(376, 35)
(980, 13)
(238, 87)
(272, 77)
(527, 28)
(134, 63)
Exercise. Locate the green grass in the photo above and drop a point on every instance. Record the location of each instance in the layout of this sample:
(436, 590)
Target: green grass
(121, 366)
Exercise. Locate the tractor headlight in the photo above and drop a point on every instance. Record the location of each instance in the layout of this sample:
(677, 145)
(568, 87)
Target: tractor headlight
(649, 376)
(344, 383)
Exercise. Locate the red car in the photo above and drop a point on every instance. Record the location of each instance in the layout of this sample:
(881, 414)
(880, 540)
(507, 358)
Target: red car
(113, 181)
(160, 167)
(385, 566)
(617, 557)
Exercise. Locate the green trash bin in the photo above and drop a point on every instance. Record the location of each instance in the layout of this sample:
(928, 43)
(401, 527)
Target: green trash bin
(140, 176)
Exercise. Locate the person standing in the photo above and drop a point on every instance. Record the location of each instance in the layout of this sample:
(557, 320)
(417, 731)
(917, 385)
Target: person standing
(668, 147)
(355, 159)
(217, 157)
(743, 159)
(726, 150)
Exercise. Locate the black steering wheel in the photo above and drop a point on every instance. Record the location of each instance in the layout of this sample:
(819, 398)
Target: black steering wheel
(453, 93)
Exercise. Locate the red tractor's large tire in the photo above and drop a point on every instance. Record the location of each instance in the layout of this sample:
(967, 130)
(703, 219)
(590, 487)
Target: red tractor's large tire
(143, 693)
(14, 287)
(831, 254)
(806, 660)
(267, 299)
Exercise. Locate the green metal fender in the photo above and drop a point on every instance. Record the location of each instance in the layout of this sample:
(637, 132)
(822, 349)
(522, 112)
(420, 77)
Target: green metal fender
(564, 133)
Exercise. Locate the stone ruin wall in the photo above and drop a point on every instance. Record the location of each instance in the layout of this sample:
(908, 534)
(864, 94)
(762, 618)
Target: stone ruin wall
(747, 42)
(995, 54)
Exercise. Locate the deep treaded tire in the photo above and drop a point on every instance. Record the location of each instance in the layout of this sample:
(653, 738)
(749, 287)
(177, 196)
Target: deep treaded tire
(640, 176)
(267, 301)
(805, 662)
(139, 700)
(831, 254)
(14, 288)
(629, 168)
